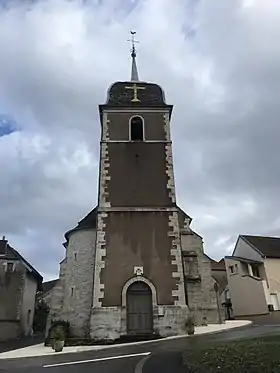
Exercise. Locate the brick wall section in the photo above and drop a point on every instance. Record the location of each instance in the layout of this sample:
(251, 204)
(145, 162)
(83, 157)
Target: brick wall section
(79, 281)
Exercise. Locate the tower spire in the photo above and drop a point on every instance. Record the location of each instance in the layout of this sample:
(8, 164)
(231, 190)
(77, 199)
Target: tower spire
(134, 71)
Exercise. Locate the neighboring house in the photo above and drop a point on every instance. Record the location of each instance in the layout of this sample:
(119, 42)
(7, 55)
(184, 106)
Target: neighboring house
(19, 282)
(46, 293)
(219, 273)
(253, 273)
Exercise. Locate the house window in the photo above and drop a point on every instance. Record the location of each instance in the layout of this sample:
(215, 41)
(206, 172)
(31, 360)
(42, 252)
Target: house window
(255, 271)
(28, 317)
(10, 267)
(136, 129)
(233, 269)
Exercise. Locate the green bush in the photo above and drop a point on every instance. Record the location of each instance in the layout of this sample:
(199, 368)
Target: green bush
(59, 334)
(65, 325)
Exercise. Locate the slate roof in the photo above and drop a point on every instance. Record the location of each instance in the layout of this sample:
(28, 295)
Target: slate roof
(241, 259)
(218, 266)
(88, 222)
(48, 285)
(268, 246)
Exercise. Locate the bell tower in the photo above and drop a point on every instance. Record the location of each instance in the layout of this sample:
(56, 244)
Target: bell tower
(138, 243)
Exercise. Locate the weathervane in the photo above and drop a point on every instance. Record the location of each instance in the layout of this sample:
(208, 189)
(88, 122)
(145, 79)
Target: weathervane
(133, 41)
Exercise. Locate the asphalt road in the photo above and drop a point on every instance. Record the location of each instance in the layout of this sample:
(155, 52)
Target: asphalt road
(164, 357)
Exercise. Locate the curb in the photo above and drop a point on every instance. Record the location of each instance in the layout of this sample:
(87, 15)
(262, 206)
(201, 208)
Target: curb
(80, 349)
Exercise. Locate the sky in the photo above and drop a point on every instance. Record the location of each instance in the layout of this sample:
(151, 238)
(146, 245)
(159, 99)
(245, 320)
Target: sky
(219, 64)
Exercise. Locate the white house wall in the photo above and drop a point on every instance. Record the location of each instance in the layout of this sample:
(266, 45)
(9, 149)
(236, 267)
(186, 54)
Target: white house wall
(244, 250)
(272, 268)
(246, 293)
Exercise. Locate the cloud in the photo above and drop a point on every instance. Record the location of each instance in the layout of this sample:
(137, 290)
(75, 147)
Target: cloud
(219, 65)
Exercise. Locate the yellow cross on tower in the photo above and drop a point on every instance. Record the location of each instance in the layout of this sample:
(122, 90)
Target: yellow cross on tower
(135, 89)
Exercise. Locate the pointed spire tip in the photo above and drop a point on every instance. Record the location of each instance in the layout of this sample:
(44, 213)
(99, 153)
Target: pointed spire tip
(134, 71)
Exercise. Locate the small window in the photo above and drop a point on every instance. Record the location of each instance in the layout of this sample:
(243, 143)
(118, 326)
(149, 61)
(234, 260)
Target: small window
(75, 256)
(72, 291)
(10, 267)
(255, 271)
(233, 269)
(136, 129)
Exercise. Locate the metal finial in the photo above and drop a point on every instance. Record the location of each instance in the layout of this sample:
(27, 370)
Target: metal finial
(134, 72)
(133, 41)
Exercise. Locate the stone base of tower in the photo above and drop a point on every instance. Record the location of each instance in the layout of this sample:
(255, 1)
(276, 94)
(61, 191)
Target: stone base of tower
(109, 323)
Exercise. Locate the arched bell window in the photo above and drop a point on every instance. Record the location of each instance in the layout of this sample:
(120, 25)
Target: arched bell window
(136, 129)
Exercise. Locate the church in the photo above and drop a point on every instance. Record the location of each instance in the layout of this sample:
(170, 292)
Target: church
(133, 266)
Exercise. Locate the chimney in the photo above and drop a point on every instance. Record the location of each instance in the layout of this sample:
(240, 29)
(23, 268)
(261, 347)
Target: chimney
(3, 246)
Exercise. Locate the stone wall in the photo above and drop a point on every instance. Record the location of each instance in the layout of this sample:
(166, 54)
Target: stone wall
(170, 320)
(78, 286)
(109, 323)
(11, 289)
(72, 295)
(201, 296)
(9, 330)
(106, 323)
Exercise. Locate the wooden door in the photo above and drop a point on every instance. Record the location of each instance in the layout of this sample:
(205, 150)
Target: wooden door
(139, 309)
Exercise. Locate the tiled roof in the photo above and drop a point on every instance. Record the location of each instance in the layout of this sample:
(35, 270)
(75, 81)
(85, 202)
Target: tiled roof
(267, 246)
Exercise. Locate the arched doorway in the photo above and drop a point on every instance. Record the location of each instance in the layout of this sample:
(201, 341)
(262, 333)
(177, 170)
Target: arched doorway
(139, 309)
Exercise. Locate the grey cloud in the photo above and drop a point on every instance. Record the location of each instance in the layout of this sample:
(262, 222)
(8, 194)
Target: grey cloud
(223, 80)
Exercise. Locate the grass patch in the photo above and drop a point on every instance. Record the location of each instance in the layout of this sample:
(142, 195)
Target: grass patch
(257, 355)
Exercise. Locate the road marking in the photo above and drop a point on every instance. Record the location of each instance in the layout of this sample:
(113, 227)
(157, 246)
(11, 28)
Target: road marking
(140, 364)
(95, 360)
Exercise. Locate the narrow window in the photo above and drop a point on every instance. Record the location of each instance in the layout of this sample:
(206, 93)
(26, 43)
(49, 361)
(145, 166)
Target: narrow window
(75, 256)
(72, 291)
(136, 129)
(28, 317)
(10, 267)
